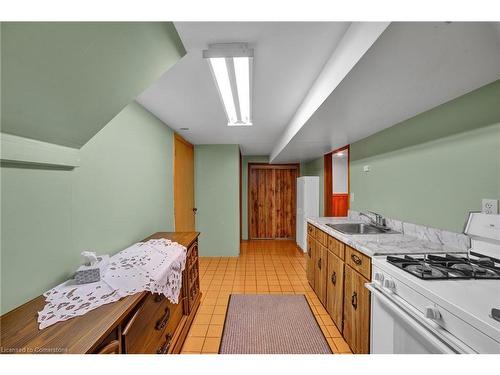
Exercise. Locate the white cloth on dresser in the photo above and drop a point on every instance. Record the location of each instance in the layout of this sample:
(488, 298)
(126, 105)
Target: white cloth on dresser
(155, 266)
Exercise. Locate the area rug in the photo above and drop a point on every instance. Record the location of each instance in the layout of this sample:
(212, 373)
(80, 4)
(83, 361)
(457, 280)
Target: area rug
(271, 324)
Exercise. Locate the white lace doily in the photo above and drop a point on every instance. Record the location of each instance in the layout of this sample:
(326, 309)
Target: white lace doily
(155, 266)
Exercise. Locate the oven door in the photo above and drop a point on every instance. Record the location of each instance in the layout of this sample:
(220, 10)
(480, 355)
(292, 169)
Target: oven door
(396, 328)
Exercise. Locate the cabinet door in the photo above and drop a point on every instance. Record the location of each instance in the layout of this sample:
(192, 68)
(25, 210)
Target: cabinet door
(335, 289)
(356, 312)
(321, 266)
(310, 261)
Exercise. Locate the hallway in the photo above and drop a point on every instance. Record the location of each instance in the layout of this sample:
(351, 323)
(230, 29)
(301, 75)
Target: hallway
(263, 267)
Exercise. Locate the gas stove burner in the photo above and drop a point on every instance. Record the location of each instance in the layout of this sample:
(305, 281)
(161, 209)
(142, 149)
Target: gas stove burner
(448, 266)
(424, 271)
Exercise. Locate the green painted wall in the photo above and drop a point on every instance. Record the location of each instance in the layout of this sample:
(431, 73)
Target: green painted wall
(122, 192)
(435, 167)
(217, 199)
(64, 81)
(315, 167)
(244, 190)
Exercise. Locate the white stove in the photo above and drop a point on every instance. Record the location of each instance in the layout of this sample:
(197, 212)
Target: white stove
(411, 314)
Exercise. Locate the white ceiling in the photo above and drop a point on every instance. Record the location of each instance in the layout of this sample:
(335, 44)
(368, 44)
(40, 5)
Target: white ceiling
(288, 58)
(411, 68)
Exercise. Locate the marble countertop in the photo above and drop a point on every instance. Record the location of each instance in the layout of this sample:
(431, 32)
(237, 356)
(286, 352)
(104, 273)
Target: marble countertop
(380, 244)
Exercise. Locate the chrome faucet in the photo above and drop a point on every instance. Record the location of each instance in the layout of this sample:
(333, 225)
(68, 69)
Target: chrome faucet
(379, 219)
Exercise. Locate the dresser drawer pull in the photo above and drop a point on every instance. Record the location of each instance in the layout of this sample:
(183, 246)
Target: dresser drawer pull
(164, 348)
(309, 251)
(354, 300)
(158, 297)
(160, 324)
(334, 278)
(356, 259)
(319, 263)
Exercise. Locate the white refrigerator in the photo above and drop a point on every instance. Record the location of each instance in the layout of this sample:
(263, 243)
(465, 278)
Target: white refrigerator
(307, 206)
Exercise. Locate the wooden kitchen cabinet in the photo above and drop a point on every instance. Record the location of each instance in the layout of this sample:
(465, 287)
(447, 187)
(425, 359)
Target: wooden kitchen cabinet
(337, 273)
(310, 261)
(320, 272)
(356, 330)
(335, 289)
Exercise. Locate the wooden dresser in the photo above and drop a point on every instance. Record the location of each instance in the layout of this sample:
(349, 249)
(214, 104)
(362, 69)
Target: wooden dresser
(140, 323)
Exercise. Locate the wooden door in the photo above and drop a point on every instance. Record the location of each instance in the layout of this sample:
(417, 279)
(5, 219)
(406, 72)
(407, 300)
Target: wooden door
(184, 210)
(335, 289)
(356, 312)
(310, 261)
(285, 185)
(320, 273)
(272, 201)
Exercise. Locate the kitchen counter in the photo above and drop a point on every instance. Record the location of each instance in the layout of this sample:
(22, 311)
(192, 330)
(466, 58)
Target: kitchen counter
(380, 244)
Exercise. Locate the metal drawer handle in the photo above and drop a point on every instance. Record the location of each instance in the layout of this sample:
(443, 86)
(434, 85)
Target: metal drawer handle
(158, 297)
(356, 259)
(334, 278)
(354, 300)
(160, 324)
(319, 263)
(164, 348)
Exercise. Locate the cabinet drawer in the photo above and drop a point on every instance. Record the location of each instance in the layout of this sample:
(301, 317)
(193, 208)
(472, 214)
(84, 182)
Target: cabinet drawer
(358, 261)
(145, 330)
(322, 237)
(164, 344)
(336, 247)
(310, 230)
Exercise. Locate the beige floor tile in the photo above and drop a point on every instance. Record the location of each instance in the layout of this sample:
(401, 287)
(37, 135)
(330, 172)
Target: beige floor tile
(202, 319)
(215, 330)
(211, 345)
(217, 319)
(198, 330)
(193, 344)
(341, 345)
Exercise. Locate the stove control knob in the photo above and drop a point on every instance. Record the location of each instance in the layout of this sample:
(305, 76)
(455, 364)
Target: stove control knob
(432, 312)
(379, 277)
(389, 284)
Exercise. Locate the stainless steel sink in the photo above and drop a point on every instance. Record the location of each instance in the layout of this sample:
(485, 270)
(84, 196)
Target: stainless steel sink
(360, 228)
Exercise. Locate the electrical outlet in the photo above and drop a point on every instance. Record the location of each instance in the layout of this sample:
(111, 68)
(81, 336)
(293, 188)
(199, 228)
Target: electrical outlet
(351, 196)
(366, 168)
(490, 206)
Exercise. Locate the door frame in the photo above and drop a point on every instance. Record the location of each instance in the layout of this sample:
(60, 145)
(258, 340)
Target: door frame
(266, 166)
(328, 180)
(181, 139)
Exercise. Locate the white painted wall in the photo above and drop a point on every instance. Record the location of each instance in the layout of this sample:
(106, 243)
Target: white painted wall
(339, 174)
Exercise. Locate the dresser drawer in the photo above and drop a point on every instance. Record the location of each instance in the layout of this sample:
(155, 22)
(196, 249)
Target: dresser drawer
(358, 261)
(322, 237)
(336, 247)
(145, 330)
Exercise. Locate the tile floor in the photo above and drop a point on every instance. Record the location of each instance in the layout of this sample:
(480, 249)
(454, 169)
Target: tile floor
(263, 267)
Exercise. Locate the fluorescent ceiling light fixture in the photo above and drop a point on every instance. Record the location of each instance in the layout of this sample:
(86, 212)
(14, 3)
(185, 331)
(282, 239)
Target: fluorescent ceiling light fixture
(231, 66)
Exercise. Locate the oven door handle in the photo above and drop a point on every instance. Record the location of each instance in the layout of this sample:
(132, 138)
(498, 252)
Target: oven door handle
(412, 317)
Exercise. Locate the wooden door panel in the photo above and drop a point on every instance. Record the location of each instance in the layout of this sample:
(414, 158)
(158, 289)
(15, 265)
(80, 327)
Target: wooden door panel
(320, 273)
(356, 312)
(340, 204)
(310, 261)
(335, 289)
(272, 201)
(183, 185)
